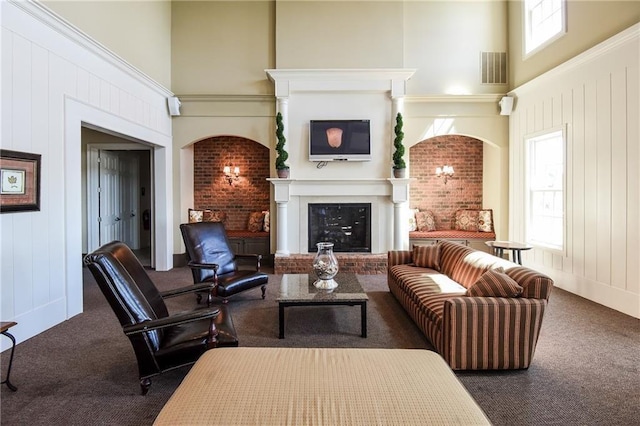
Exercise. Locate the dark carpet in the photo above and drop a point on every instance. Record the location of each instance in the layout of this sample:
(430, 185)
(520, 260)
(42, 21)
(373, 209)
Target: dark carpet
(586, 370)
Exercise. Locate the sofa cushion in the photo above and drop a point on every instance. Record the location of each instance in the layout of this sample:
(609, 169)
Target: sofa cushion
(495, 283)
(427, 288)
(425, 221)
(427, 256)
(266, 225)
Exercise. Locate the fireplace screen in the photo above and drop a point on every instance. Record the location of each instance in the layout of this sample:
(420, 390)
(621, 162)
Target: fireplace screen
(346, 225)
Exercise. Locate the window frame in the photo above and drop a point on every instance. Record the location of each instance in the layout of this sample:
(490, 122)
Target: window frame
(527, 140)
(526, 29)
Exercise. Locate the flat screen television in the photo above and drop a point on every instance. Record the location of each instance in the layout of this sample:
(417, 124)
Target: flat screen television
(339, 140)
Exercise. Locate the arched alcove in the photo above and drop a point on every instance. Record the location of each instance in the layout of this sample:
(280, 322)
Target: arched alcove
(238, 198)
(462, 191)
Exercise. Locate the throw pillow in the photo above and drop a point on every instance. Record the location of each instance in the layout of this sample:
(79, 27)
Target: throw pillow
(466, 220)
(214, 216)
(495, 283)
(427, 256)
(195, 215)
(425, 221)
(266, 225)
(256, 221)
(412, 219)
(485, 221)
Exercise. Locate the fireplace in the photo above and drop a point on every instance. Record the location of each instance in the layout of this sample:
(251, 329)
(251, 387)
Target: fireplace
(346, 225)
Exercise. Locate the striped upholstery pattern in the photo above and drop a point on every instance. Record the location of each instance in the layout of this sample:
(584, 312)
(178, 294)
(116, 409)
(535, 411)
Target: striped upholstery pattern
(471, 332)
(535, 284)
(427, 256)
(495, 283)
(491, 333)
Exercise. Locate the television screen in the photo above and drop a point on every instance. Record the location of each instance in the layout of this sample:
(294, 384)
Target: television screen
(335, 140)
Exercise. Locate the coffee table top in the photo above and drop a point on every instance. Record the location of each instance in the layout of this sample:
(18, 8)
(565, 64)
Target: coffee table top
(300, 288)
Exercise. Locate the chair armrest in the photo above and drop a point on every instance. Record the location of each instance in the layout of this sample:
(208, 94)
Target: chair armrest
(177, 319)
(250, 256)
(196, 265)
(185, 290)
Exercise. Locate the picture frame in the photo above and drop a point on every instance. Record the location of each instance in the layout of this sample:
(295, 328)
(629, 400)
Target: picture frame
(19, 181)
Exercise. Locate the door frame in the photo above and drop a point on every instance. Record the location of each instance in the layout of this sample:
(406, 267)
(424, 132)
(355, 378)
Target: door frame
(93, 179)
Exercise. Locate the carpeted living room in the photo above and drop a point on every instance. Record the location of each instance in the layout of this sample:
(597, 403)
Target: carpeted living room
(584, 372)
(474, 164)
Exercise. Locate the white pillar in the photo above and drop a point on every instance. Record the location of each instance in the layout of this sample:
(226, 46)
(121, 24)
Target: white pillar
(282, 247)
(281, 196)
(399, 197)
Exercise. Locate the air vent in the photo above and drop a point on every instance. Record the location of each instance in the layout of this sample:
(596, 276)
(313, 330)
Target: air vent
(493, 67)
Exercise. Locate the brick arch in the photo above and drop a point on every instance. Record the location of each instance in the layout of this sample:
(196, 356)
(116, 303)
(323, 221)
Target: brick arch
(463, 191)
(212, 191)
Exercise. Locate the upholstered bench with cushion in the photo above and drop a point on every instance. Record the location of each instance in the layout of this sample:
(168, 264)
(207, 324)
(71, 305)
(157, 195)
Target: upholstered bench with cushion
(471, 228)
(320, 386)
(479, 311)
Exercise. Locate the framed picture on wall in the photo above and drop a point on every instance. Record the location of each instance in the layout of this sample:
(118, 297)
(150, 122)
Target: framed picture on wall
(19, 181)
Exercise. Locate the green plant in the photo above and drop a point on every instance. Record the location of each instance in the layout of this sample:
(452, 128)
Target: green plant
(398, 160)
(282, 153)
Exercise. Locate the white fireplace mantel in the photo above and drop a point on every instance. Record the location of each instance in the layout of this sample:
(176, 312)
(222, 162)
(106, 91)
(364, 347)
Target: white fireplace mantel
(395, 191)
(306, 94)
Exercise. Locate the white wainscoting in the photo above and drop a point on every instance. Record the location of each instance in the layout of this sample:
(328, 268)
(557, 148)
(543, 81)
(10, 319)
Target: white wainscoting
(54, 80)
(596, 96)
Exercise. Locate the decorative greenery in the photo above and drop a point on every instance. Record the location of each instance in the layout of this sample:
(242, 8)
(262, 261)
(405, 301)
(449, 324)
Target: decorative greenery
(398, 160)
(282, 154)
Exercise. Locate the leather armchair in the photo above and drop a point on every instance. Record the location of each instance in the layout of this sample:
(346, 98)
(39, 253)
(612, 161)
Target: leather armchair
(161, 341)
(211, 260)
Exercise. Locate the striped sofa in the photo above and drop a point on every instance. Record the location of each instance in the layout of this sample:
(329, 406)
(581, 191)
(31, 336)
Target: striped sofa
(471, 332)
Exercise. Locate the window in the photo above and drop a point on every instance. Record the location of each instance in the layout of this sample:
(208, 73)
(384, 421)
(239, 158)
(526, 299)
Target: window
(544, 21)
(545, 188)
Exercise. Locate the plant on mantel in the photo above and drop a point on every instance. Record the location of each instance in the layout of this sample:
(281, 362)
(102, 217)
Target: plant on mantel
(399, 166)
(281, 167)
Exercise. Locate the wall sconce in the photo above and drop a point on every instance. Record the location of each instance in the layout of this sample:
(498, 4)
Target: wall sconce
(231, 177)
(446, 172)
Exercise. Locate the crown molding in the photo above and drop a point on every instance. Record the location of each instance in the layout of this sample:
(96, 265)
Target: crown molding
(54, 21)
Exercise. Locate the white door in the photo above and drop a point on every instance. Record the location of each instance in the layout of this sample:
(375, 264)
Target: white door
(129, 183)
(109, 199)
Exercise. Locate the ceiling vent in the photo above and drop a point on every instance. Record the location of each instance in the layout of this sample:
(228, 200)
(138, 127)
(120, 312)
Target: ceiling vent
(493, 67)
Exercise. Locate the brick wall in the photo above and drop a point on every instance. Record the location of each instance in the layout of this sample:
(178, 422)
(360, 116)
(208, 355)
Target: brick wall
(212, 191)
(463, 191)
(365, 264)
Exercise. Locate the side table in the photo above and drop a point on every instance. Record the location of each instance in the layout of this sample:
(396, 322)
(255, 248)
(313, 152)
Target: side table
(4, 327)
(516, 249)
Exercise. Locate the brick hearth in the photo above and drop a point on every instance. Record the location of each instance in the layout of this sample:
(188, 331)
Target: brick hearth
(357, 263)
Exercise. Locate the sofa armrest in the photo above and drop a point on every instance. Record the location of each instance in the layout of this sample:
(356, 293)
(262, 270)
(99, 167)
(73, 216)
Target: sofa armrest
(493, 333)
(399, 257)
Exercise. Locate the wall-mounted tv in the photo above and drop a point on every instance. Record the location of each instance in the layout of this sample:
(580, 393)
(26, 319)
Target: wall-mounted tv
(339, 140)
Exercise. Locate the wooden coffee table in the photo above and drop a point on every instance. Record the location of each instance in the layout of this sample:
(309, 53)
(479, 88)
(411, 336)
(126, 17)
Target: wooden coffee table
(298, 290)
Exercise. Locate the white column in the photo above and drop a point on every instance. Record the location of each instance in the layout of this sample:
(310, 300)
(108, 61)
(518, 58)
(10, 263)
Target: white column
(281, 196)
(281, 237)
(399, 197)
(283, 108)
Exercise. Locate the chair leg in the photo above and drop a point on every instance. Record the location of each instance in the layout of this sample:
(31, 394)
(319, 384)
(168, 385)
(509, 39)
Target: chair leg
(145, 384)
(264, 289)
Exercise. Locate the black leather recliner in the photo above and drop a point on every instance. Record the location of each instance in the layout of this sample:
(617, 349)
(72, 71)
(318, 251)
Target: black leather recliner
(211, 260)
(161, 341)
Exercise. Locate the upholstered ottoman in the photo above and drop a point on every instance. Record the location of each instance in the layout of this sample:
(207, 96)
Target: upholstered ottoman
(306, 386)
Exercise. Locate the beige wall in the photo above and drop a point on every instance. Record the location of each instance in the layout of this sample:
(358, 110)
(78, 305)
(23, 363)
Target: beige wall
(137, 31)
(222, 47)
(588, 23)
